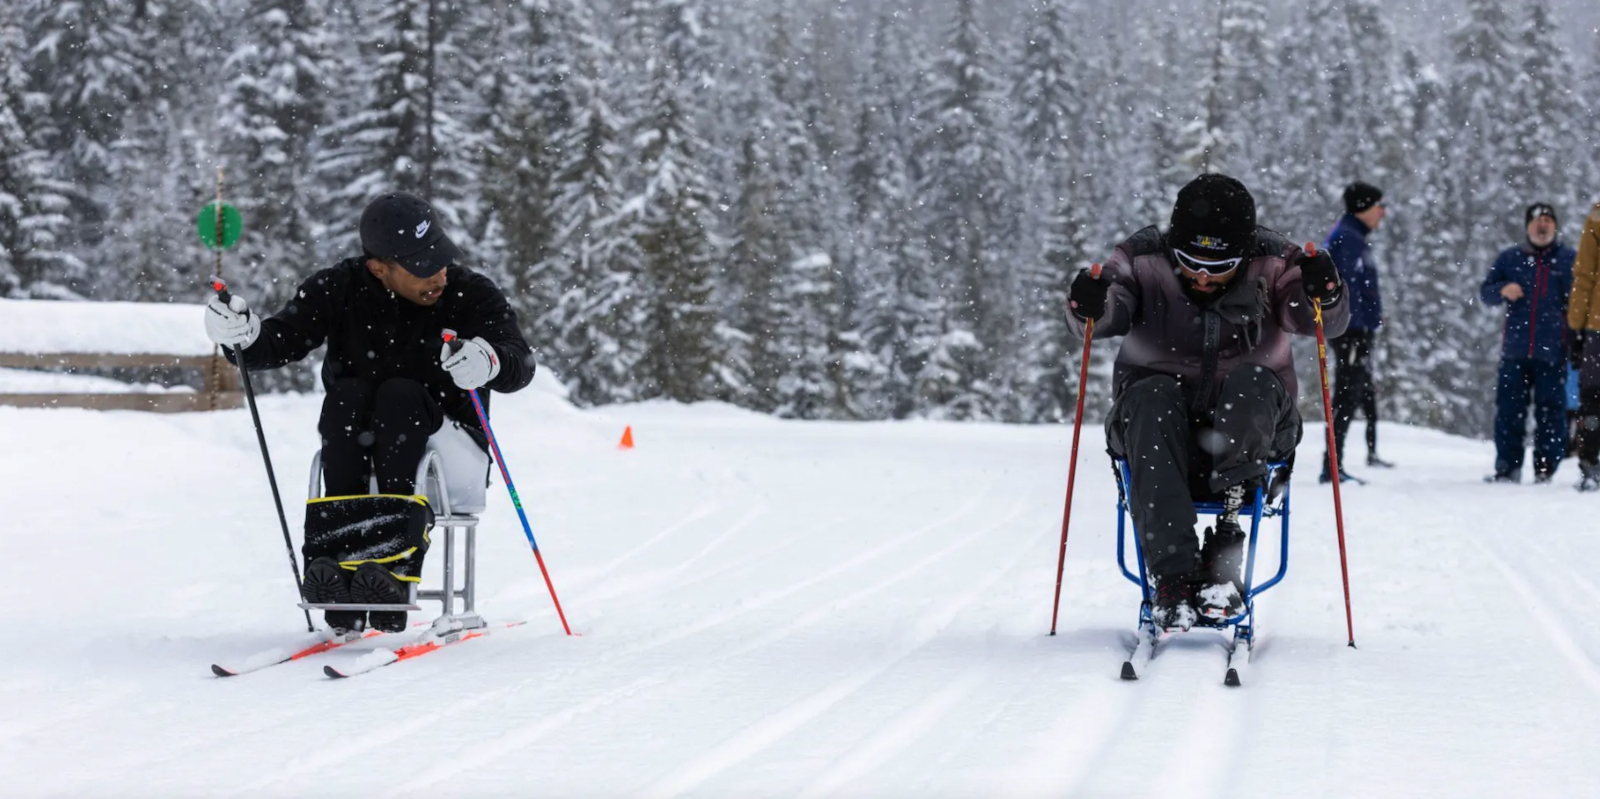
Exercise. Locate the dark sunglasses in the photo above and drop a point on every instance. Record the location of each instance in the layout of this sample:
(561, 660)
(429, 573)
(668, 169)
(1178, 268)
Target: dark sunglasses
(1217, 268)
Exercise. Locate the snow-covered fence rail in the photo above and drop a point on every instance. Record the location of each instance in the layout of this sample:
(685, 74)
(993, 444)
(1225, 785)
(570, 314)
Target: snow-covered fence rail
(42, 334)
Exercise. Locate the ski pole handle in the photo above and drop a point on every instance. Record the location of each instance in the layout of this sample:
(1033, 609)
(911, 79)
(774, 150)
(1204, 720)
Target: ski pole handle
(452, 340)
(220, 286)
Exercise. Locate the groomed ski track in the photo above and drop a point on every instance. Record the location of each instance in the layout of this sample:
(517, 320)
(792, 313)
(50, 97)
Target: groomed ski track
(787, 609)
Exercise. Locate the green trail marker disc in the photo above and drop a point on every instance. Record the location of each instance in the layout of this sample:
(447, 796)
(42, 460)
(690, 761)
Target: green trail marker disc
(206, 225)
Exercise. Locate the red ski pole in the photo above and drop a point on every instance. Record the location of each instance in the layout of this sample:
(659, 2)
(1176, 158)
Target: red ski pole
(454, 342)
(1072, 467)
(1333, 460)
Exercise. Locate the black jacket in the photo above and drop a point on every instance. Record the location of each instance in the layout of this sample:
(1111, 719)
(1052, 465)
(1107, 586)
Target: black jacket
(374, 334)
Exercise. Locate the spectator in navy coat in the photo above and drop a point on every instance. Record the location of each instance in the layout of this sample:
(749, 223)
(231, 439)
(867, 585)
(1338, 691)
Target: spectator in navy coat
(1533, 280)
(1353, 386)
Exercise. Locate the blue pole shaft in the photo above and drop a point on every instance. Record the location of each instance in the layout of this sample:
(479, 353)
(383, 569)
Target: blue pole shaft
(516, 501)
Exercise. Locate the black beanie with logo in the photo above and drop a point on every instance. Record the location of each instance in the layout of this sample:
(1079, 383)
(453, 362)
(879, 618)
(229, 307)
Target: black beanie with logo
(1214, 218)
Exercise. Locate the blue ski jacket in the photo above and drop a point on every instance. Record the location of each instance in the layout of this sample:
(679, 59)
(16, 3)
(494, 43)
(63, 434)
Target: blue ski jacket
(1347, 245)
(1536, 324)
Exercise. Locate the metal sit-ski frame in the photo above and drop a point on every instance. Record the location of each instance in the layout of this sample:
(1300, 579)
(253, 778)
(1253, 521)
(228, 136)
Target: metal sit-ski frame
(432, 484)
(1271, 500)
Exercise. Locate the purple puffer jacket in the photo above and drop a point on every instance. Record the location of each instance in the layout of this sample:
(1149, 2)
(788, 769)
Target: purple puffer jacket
(1169, 333)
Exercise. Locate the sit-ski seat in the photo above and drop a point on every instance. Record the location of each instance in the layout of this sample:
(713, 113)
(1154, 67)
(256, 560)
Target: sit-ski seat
(1270, 501)
(454, 476)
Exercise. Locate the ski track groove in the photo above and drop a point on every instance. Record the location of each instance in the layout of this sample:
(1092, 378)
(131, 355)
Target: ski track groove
(678, 569)
(768, 598)
(1564, 564)
(758, 737)
(1216, 727)
(519, 740)
(1548, 622)
(546, 680)
(894, 737)
(342, 752)
(477, 756)
(594, 576)
(1066, 755)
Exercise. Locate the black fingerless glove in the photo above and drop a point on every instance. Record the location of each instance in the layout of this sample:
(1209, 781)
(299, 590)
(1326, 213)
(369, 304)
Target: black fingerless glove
(1087, 297)
(1321, 278)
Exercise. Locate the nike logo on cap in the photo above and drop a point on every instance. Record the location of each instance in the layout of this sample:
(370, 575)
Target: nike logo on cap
(422, 229)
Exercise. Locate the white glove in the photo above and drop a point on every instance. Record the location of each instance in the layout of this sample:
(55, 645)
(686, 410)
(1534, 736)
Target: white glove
(231, 325)
(472, 366)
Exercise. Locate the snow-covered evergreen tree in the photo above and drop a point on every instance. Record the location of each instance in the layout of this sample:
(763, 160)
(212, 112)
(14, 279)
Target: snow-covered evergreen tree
(1547, 167)
(144, 207)
(528, 113)
(408, 129)
(670, 209)
(33, 203)
(969, 212)
(274, 101)
(595, 351)
(85, 57)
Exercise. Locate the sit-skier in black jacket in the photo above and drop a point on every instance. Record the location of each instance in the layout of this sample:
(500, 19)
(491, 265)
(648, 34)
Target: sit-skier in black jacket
(391, 382)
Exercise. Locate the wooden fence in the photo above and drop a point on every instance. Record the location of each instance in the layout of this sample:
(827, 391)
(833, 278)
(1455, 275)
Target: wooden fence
(220, 379)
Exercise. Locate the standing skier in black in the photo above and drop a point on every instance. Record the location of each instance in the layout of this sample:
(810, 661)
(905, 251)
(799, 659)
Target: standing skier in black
(1204, 381)
(1352, 352)
(391, 381)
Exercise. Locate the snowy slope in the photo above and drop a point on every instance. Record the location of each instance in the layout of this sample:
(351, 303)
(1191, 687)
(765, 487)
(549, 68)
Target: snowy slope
(782, 609)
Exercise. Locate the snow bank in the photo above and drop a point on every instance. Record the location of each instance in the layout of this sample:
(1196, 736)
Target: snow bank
(121, 328)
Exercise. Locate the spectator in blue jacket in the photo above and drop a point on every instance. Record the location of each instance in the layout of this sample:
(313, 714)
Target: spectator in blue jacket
(1352, 386)
(1533, 279)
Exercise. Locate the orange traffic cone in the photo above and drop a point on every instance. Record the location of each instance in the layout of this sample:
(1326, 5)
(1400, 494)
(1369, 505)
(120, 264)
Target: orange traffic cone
(627, 438)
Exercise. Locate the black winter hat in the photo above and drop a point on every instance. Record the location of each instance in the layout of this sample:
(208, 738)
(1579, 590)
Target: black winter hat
(1214, 218)
(403, 227)
(1360, 196)
(1538, 210)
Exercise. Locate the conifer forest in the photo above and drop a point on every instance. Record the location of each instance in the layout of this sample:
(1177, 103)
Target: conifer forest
(819, 209)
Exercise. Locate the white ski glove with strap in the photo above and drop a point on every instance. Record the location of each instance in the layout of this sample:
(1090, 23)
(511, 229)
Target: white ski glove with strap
(232, 324)
(473, 365)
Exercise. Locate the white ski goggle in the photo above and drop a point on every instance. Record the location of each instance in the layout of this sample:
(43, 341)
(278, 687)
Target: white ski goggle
(1201, 266)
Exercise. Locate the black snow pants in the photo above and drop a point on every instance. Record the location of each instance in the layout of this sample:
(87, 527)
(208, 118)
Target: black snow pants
(375, 428)
(1589, 408)
(1175, 455)
(1352, 388)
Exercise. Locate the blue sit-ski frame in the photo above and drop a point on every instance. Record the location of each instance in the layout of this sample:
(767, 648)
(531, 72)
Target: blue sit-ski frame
(1244, 622)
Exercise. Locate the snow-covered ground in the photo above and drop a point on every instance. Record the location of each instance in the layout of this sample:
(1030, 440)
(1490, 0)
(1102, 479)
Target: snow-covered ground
(782, 609)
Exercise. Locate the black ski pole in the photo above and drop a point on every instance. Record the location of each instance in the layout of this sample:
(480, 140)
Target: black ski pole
(266, 457)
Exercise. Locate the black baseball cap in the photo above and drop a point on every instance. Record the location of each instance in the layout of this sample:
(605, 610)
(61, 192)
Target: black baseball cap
(403, 227)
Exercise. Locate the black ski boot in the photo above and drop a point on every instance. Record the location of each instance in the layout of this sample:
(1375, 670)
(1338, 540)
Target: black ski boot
(1374, 461)
(1591, 476)
(1173, 606)
(1345, 478)
(1220, 590)
(374, 585)
(327, 584)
